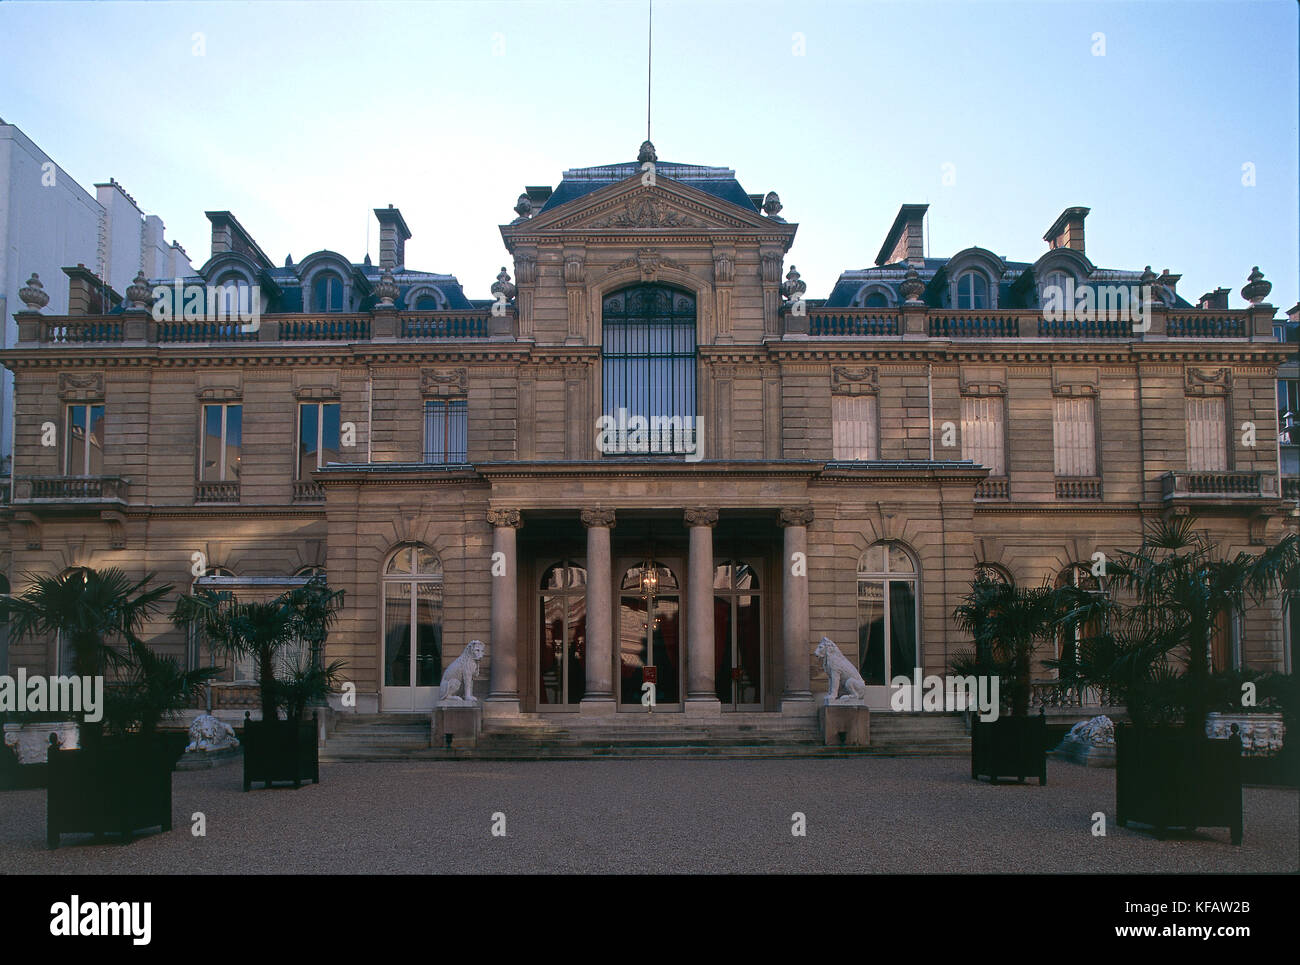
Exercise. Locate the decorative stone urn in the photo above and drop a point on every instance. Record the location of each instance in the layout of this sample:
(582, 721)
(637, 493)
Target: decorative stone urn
(772, 207)
(139, 294)
(523, 208)
(33, 294)
(503, 285)
(387, 289)
(1256, 288)
(912, 287)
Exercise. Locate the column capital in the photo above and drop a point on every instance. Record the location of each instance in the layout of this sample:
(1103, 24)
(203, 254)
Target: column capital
(598, 517)
(701, 517)
(505, 517)
(796, 516)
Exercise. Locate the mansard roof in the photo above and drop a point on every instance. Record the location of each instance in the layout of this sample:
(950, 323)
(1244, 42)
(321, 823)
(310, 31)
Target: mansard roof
(717, 181)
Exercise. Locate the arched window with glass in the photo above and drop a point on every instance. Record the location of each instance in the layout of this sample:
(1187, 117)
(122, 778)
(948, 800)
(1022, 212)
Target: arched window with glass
(888, 641)
(327, 292)
(649, 633)
(412, 629)
(648, 366)
(562, 641)
(972, 291)
(738, 637)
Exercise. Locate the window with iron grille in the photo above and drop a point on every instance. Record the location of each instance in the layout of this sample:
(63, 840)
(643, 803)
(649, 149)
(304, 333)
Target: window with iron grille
(446, 431)
(648, 365)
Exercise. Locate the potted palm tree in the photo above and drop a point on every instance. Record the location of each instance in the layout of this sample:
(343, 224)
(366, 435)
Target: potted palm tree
(1007, 624)
(95, 613)
(1152, 650)
(269, 631)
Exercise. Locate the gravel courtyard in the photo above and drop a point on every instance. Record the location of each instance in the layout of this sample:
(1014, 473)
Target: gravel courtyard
(863, 815)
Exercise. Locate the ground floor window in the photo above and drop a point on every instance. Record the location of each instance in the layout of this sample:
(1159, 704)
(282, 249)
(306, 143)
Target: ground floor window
(737, 627)
(887, 613)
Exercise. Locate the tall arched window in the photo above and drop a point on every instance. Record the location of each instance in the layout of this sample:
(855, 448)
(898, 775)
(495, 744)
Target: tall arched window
(1071, 640)
(972, 291)
(648, 361)
(738, 648)
(649, 633)
(562, 644)
(327, 292)
(887, 613)
(412, 628)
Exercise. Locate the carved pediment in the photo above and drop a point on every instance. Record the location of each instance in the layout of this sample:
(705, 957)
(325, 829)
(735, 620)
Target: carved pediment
(81, 386)
(648, 261)
(647, 211)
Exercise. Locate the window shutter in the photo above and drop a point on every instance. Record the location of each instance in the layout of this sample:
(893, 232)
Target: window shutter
(853, 427)
(1207, 432)
(982, 433)
(1073, 437)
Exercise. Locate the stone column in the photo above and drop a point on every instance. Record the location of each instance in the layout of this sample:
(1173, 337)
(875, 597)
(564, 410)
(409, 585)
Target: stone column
(701, 688)
(797, 697)
(599, 698)
(503, 691)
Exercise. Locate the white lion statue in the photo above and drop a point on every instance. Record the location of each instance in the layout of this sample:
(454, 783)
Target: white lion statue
(208, 734)
(457, 686)
(1098, 730)
(842, 674)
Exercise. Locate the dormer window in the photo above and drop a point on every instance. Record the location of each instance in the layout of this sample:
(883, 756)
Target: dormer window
(874, 300)
(426, 303)
(327, 292)
(972, 291)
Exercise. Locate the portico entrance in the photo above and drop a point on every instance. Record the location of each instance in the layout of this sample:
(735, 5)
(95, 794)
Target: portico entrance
(648, 634)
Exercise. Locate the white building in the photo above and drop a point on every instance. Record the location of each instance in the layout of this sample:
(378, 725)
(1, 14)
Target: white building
(49, 222)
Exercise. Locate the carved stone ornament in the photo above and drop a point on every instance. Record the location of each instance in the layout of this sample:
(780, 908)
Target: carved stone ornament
(1262, 734)
(797, 516)
(503, 286)
(597, 517)
(846, 684)
(444, 383)
(81, 386)
(793, 287)
(701, 517)
(647, 153)
(1216, 383)
(849, 380)
(912, 287)
(724, 268)
(524, 208)
(33, 294)
(772, 207)
(1256, 288)
(525, 269)
(387, 289)
(648, 212)
(456, 689)
(770, 265)
(505, 517)
(648, 261)
(139, 294)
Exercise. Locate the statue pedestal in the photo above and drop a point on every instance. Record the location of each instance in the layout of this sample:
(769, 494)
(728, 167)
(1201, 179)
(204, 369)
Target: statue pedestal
(845, 725)
(464, 722)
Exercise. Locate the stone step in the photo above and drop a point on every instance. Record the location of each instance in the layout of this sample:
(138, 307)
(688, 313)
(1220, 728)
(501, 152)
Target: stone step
(643, 752)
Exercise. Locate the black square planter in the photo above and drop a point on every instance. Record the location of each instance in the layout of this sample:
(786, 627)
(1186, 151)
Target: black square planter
(279, 751)
(1009, 747)
(1175, 779)
(119, 784)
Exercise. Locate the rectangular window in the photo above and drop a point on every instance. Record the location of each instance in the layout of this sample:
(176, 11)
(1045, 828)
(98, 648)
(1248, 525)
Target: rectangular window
(219, 447)
(853, 427)
(318, 436)
(982, 436)
(83, 434)
(1207, 435)
(1074, 437)
(445, 431)
(1288, 412)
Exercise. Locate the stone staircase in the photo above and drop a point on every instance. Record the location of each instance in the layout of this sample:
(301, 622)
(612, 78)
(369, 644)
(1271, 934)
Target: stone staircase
(400, 737)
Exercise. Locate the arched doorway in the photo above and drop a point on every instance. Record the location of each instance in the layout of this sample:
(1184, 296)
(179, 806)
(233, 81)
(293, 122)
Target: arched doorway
(562, 637)
(649, 634)
(412, 629)
(888, 618)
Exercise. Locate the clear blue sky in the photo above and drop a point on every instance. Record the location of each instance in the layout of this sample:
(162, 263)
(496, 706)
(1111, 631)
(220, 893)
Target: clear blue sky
(302, 117)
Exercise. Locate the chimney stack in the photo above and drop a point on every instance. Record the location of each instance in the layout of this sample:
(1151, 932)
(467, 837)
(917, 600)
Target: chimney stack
(906, 239)
(1215, 301)
(392, 237)
(1067, 230)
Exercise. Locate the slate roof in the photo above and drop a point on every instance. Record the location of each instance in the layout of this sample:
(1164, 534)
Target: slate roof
(719, 182)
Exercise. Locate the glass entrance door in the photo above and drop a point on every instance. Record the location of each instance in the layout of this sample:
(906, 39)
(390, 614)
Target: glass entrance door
(738, 636)
(562, 640)
(412, 630)
(649, 633)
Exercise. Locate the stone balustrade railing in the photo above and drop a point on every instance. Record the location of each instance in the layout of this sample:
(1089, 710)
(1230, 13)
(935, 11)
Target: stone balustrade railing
(1217, 485)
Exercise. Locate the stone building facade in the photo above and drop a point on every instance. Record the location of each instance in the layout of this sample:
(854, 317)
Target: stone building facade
(476, 469)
